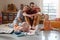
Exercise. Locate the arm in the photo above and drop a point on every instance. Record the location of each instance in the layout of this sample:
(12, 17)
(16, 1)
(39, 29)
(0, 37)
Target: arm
(39, 13)
(18, 17)
(24, 14)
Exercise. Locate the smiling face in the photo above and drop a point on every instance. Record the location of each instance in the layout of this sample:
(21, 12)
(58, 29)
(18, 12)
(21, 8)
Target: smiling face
(32, 4)
(26, 8)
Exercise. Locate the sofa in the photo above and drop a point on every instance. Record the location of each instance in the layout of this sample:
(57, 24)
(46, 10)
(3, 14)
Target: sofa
(55, 23)
(52, 24)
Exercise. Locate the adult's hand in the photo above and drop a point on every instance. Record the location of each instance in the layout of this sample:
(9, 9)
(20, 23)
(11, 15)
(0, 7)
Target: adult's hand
(24, 14)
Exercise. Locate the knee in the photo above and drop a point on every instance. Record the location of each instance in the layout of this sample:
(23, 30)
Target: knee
(35, 17)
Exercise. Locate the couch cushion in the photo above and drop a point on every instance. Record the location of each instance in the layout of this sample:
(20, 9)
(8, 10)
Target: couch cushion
(55, 24)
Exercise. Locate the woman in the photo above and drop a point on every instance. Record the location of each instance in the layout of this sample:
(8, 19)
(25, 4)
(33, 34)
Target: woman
(19, 22)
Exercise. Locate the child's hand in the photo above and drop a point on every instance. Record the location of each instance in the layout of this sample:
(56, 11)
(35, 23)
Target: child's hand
(18, 28)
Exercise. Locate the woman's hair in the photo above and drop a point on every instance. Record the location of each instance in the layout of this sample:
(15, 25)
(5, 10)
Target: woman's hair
(26, 8)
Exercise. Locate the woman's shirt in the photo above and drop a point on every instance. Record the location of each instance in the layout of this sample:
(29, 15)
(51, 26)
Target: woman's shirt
(19, 15)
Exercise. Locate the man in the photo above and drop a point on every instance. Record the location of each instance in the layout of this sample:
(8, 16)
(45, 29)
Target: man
(32, 18)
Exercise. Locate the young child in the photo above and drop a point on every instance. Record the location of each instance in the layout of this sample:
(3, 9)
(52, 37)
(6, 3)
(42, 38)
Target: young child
(23, 27)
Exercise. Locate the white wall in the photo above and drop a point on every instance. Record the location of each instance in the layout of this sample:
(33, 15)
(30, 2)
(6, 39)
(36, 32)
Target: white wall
(2, 4)
(58, 10)
(18, 2)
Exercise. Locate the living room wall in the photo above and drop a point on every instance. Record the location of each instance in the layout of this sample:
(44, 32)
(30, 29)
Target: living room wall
(18, 2)
(2, 4)
(58, 10)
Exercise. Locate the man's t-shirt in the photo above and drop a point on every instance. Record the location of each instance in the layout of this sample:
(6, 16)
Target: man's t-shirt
(31, 12)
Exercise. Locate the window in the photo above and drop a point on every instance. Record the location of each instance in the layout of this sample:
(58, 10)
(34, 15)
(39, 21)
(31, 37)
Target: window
(50, 7)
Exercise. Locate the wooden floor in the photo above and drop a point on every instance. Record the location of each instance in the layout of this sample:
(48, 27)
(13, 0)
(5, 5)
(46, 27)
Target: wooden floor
(50, 35)
(42, 35)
